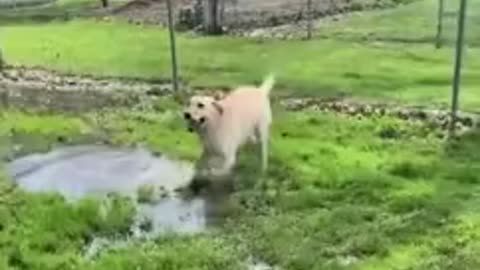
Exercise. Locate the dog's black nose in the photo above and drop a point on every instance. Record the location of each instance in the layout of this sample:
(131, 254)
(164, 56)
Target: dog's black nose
(202, 120)
(187, 116)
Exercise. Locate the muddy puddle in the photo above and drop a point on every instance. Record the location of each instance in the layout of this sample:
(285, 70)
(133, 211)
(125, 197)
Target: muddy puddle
(78, 171)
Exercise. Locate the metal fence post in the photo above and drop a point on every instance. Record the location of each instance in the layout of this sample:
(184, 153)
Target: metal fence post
(458, 65)
(439, 36)
(173, 50)
(2, 59)
(309, 19)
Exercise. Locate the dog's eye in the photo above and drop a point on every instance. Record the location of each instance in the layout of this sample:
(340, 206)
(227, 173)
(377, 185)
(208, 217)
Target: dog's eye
(200, 105)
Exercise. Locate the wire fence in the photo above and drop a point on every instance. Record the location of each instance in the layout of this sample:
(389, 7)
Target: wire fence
(431, 23)
(13, 4)
(439, 22)
(289, 18)
(307, 18)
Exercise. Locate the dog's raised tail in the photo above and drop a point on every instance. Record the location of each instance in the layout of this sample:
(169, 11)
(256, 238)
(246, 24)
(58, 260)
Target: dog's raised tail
(268, 84)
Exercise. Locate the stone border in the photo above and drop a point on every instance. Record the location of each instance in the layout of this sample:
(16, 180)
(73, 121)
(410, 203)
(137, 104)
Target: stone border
(21, 87)
(434, 117)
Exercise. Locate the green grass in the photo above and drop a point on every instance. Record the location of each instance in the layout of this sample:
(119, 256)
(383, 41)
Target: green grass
(349, 194)
(415, 23)
(341, 193)
(393, 71)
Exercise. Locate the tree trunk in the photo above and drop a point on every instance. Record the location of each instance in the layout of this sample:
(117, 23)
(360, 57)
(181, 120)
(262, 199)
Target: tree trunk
(212, 17)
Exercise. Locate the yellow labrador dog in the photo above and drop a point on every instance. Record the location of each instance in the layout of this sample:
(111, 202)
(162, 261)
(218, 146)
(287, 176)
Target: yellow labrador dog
(224, 125)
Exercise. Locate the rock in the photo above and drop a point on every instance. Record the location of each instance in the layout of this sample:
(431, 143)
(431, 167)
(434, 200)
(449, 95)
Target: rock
(403, 114)
(71, 82)
(257, 33)
(367, 110)
(467, 121)
(351, 110)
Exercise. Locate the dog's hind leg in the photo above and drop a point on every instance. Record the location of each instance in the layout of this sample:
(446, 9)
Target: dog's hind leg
(262, 134)
(264, 144)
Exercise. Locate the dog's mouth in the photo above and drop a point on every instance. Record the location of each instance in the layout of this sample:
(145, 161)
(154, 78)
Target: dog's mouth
(190, 126)
(193, 125)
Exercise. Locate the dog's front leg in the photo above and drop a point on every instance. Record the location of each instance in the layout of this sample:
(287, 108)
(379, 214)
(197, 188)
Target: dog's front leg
(203, 164)
(228, 157)
(229, 161)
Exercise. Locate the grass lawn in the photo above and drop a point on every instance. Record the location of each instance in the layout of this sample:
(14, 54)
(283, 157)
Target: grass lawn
(390, 70)
(359, 194)
(341, 192)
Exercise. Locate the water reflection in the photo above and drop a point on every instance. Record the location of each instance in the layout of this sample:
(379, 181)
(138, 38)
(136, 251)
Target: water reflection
(77, 171)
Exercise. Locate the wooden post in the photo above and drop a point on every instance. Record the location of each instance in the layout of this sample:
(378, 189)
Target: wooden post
(173, 50)
(458, 65)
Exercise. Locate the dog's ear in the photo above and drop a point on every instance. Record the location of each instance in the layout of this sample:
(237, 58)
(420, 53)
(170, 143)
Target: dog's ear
(218, 95)
(218, 107)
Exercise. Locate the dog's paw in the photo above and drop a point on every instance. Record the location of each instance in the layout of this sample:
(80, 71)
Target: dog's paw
(198, 183)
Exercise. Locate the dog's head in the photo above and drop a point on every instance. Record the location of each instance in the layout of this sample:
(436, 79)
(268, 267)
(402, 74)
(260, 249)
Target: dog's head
(200, 110)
